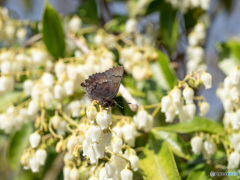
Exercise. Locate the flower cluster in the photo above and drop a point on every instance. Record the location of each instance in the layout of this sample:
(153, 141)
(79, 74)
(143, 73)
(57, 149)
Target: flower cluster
(12, 30)
(207, 147)
(180, 101)
(34, 157)
(184, 5)
(195, 51)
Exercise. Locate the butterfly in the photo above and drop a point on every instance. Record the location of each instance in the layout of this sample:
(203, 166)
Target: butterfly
(104, 86)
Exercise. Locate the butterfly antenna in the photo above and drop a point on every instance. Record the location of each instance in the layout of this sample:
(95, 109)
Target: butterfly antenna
(119, 105)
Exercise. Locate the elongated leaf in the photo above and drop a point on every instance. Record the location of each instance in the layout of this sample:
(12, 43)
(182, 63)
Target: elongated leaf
(168, 26)
(163, 73)
(53, 35)
(9, 98)
(157, 161)
(18, 143)
(198, 175)
(193, 125)
(174, 142)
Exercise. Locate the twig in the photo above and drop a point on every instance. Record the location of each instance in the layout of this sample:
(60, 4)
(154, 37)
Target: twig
(128, 97)
(79, 44)
(32, 40)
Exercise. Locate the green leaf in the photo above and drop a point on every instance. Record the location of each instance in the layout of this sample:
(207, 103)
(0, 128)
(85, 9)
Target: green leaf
(17, 144)
(169, 26)
(193, 125)
(175, 143)
(9, 98)
(53, 35)
(88, 12)
(138, 8)
(198, 175)
(157, 161)
(163, 73)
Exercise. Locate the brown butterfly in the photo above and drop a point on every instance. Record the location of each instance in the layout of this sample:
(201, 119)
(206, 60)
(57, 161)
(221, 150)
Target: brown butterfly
(104, 87)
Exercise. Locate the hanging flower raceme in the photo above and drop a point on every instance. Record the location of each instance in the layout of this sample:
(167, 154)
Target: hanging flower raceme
(180, 100)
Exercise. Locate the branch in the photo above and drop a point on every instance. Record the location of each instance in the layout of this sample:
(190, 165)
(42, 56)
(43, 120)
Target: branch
(79, 44)
(32, 40)
(128, 97)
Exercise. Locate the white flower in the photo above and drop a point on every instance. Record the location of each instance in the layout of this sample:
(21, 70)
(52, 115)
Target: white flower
(98, 39)
(170, 114)
(21, 34)
(196, 144)
(204, 107)
(75, 24)
(195, 53)
(95, 133)
(66, 172)
(92, 155)
(129, 134)
(105, 138)
(233, 161)
(33, 108)
(227, 83)
(72, 72)
(103, 174)
(91, 113)
(85, 148)
(68, 157)
(72, 142)
(48, 99)
(28, 86)
(34, 164)
(176, 94)
(178, 105)
(59, 68)
(134, 162)
(62, 128)
(228, 105)
(6, 83)
(205, 4)
(191, 109)
(126, 174)
(38, 56)
(188, 95)
(234, 93)
(116, 144)
(209, 147)
(41, 156)
(110, 169)
(165, 103)
(69, 87)
(88, 137)
(10, 30)
(234, 120)
(74, 174)
(207, 80)
(119, 162)
(6, 67)
(99, 150)
(102, 119)
(235, 141)
(34, 139)
(193, 39)
(47, 79)
(59, 92)
(131, 25)
(117, 131)
(234, 76)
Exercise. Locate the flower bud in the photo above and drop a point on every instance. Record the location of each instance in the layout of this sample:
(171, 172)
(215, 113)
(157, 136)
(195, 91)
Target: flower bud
(85, 148)
(188, 95)
(28, 86)
(69, 87)
(56, 120)
(74, 174)
(66, 172)
(34, 139)
(170, 114)
(134, 162)
(234, 76)
(34, 164)
(95, 133)
(126, 174)
(129, 133)
(131, 25)
(99, 150)
(110, 169)
(41, 156)
(191, 109)
(59, 92)
(196, 144)
(92, 155)
(204, 107)
(33, 108)
(59, 146)
(165, 103)
(207, 80)
(233, 161)
(176, 94)
(102, 119)
(47, 79)
(91, 113)
(72, 142)
(117, 144)
(209, 147)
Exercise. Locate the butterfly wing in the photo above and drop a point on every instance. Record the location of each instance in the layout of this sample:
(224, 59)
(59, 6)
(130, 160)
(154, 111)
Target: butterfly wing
(96, 86)
(114, 76)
